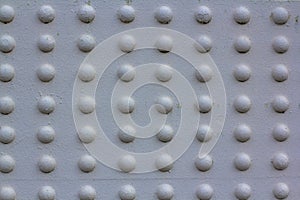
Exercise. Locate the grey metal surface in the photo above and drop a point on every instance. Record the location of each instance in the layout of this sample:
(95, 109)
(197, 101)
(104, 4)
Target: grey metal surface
(26, 89)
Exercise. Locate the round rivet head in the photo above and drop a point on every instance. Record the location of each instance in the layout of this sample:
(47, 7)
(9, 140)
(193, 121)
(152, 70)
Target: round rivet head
(7, 43)
(242, 44)
(87, 163)
(281, 191)
(280, 44)
(46, 14)
(86, 13)
(241, 15)
(242, 191)
(45, 134)
(164, 73)
(242, 161)
(46, 193)
(127, 163)
(87, 104)
(87, 73)
(126, 14)
(7, 105)
(87, 134)
(204, 192)
(242, 73)
(126, 105)
(7, 193)
(86, 43)
(127, 43)
(126, 73)
(242, 133)
(46, 72)
(7, 72)
(46, 164)
(242, 104)
(205, 104)
(164, 163)
(163, 14)
(127, 192)
(204, 73)
(46, 43)
(280, 73)
(165, 134)
(7, 134)
(203, 15)
(281, 132)
(164, 44)
(46, 104)
(127, 134)
(7, 163)
(280, 104)
(165, 192)
(87, 192)
(7, 14)
(203, 44)
(204, 133)
(280, 15)
(164, 104)
(204, 164)
(280, 161)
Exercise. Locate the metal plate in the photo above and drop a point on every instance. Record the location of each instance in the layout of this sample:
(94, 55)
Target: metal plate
(254, 47)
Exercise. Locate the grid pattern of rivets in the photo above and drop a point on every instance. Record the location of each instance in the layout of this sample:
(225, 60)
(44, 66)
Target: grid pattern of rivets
(255, 46)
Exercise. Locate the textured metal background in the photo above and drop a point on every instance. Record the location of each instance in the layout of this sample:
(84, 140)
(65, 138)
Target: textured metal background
(26, 89)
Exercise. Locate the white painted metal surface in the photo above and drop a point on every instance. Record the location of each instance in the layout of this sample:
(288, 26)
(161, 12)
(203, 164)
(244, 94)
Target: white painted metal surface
(251, 47)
